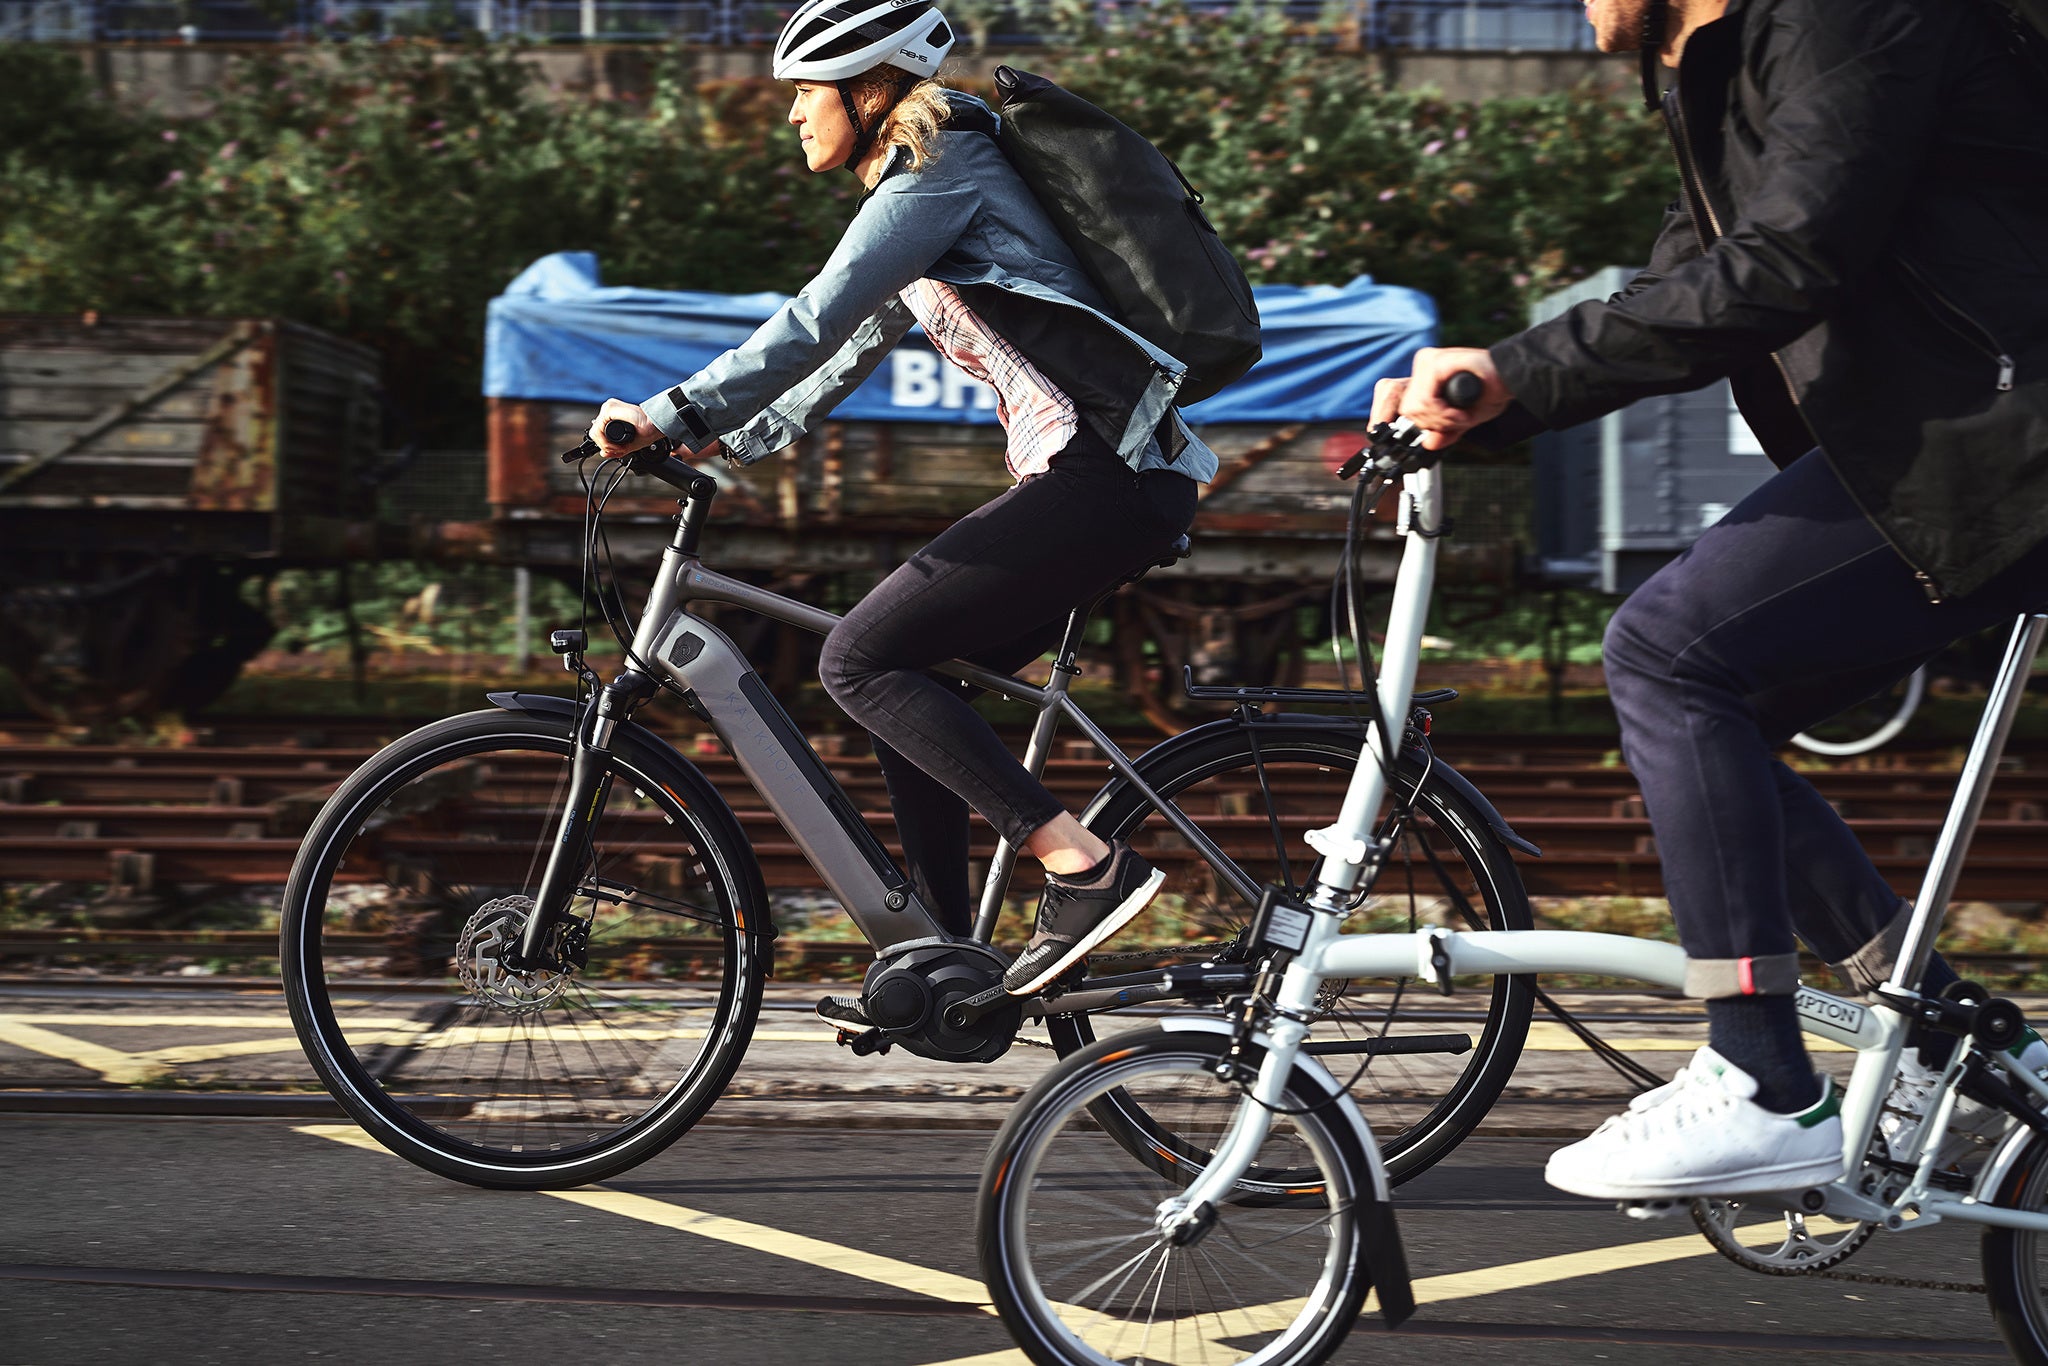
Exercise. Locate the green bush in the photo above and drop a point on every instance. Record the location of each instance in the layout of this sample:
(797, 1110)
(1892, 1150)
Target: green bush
(1315, 171)
(388, 191)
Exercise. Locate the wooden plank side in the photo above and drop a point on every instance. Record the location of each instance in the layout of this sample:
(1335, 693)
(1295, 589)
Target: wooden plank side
(75, 405)
(61, 332)
(181, 437)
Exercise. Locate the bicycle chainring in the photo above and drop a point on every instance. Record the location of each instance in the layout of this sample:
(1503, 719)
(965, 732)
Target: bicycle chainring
(479, 959)
(1805, 1248)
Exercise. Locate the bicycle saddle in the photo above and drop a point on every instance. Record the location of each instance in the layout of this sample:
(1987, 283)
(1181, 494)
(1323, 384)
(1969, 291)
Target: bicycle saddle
(1175, 553)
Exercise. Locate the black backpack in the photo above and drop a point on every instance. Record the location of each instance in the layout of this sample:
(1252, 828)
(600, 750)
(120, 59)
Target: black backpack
(1137, 226)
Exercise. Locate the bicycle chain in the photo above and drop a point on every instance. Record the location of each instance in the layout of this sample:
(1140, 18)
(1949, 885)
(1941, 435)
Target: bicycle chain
(1894, 1282)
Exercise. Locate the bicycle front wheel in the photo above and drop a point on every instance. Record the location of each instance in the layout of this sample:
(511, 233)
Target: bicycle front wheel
(1066, 1221)
(1422, 1068)
(419, 873)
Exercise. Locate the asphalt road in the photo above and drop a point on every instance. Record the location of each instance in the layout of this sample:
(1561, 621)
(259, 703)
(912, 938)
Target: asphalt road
(250, 1240)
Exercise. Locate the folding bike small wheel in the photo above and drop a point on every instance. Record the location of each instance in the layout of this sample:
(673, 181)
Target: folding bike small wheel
(1069, 1243)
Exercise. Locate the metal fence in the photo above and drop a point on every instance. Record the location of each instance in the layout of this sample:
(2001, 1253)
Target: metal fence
(1427, 25)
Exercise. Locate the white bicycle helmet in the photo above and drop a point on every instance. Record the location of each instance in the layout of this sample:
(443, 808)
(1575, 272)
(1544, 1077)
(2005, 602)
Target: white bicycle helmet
(836, 40)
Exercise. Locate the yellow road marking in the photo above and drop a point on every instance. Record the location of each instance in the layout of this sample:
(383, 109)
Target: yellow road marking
(122, 1068)
(944, 1285)
(1547, 1036)
(847, 1261)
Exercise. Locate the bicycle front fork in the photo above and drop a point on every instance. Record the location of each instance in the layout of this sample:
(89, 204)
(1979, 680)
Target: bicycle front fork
(543, 943)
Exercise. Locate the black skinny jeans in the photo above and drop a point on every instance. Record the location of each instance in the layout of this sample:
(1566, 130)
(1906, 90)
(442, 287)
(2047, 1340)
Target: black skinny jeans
(994, 588)
(1792, 608)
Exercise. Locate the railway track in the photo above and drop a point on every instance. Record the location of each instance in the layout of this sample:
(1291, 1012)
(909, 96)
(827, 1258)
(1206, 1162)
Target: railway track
(137, 816)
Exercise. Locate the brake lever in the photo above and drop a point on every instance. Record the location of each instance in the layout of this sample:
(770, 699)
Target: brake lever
(621, 431)
(1393, 448)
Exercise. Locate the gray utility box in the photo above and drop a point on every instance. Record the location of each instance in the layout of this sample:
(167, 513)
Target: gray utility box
(1618, 498)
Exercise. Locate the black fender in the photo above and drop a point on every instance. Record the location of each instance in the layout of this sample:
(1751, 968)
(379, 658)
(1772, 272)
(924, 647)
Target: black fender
(1439, 771)
(686, 781)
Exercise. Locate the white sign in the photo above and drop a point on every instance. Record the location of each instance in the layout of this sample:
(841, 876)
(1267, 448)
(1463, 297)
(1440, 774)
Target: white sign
(921, 379)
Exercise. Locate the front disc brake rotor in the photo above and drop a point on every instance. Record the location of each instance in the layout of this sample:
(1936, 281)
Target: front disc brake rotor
(480, 959)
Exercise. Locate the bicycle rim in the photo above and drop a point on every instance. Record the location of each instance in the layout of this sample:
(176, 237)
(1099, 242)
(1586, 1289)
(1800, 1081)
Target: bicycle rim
(1071, 1253)
(2015, 1261)
(418, 876)
(1420, 1104)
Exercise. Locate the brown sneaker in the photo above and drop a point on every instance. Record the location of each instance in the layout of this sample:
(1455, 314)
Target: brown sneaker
(1074, 919)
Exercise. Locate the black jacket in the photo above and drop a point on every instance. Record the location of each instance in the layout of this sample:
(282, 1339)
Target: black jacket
(1861, 247)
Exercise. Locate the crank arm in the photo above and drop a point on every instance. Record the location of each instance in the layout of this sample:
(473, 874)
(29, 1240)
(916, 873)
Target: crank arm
(1392, 1044)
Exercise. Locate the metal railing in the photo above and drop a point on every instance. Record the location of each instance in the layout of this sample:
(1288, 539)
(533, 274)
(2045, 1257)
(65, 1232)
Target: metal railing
(1421, 25)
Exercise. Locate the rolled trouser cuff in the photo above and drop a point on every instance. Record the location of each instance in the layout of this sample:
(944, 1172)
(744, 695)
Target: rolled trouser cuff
(1870, 967)
(1717, 979)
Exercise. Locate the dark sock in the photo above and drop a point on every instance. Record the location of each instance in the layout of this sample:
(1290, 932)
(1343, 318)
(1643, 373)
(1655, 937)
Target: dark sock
(1091, 877)
(1760, 1035)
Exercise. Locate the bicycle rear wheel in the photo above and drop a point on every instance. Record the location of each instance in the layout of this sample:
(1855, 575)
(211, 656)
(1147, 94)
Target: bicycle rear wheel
(2016, 1261)
(416, 876)
(1069, 1248)
(1448, 867)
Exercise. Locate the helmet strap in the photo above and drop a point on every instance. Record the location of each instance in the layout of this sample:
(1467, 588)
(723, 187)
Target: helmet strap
(1652, 51)
(863, 134)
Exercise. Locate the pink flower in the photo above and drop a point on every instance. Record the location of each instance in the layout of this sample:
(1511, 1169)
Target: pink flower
(436, 126)
(1385, 195)
(228, 149)
(170, 135)
(437, 144)
(1430, 149)
(171, 179)
(341, 276)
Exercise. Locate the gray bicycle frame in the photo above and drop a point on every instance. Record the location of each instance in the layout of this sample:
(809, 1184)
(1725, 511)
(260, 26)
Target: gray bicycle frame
(797, 786)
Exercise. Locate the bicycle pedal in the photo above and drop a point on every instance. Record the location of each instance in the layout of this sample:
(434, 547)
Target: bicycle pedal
(866, 1043)
(1652, 1209)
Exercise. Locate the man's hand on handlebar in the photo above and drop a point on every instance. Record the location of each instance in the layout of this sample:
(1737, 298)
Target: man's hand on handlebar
(1419, 399)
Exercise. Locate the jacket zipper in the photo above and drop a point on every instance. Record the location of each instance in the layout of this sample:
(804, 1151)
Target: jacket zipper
(1964, 326)
(1930, 587)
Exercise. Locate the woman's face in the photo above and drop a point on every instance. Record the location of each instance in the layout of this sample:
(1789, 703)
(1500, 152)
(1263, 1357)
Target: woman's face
(819, 117)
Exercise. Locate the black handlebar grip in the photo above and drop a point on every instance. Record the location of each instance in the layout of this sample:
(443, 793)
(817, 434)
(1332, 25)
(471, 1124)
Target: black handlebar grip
(1462, 390)
(618, 431)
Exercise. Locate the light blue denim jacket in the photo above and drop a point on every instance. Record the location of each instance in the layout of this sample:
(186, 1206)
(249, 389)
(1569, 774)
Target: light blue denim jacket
(966, 218)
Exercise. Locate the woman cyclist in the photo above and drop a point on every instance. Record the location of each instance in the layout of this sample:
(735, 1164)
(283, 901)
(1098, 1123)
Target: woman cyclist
(948, 236)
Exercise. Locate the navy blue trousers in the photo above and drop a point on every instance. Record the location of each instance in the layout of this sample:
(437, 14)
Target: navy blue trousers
(1790, 609)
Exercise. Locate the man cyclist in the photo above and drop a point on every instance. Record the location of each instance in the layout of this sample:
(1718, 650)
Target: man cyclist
(1861, 248)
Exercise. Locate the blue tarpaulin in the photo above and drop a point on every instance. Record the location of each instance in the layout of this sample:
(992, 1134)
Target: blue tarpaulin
(557, 333)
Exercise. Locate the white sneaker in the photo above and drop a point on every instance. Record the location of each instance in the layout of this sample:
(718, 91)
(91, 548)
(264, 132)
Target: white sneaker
(1702, 1134)
(1973, 1123)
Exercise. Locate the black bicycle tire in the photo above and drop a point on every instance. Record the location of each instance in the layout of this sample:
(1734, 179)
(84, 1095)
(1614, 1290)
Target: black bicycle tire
(404, 1133)
(992, 1228)
(1510, 1008)
(2016, 1308)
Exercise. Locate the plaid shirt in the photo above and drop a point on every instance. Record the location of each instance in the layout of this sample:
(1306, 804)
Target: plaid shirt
(1036, 414)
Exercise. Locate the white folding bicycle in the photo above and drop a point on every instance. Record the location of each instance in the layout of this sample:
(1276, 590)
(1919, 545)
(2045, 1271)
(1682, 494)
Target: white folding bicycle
(1095, 1254)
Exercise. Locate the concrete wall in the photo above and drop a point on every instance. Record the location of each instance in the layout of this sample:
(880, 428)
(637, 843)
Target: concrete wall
(176, 79)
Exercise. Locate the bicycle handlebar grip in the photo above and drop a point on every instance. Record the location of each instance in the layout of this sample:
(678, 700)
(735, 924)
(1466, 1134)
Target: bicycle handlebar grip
(1462, 390)
(618, 431)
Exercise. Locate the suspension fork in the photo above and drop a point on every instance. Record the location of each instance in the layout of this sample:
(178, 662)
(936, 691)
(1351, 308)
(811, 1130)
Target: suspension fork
(590, 781)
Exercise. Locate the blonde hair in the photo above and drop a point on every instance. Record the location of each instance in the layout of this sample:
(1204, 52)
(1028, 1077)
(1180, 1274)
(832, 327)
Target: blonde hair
(914, 123)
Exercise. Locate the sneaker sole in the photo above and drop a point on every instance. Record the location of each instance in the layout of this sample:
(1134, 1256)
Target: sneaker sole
(1756, 1181)
(1114, 921)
